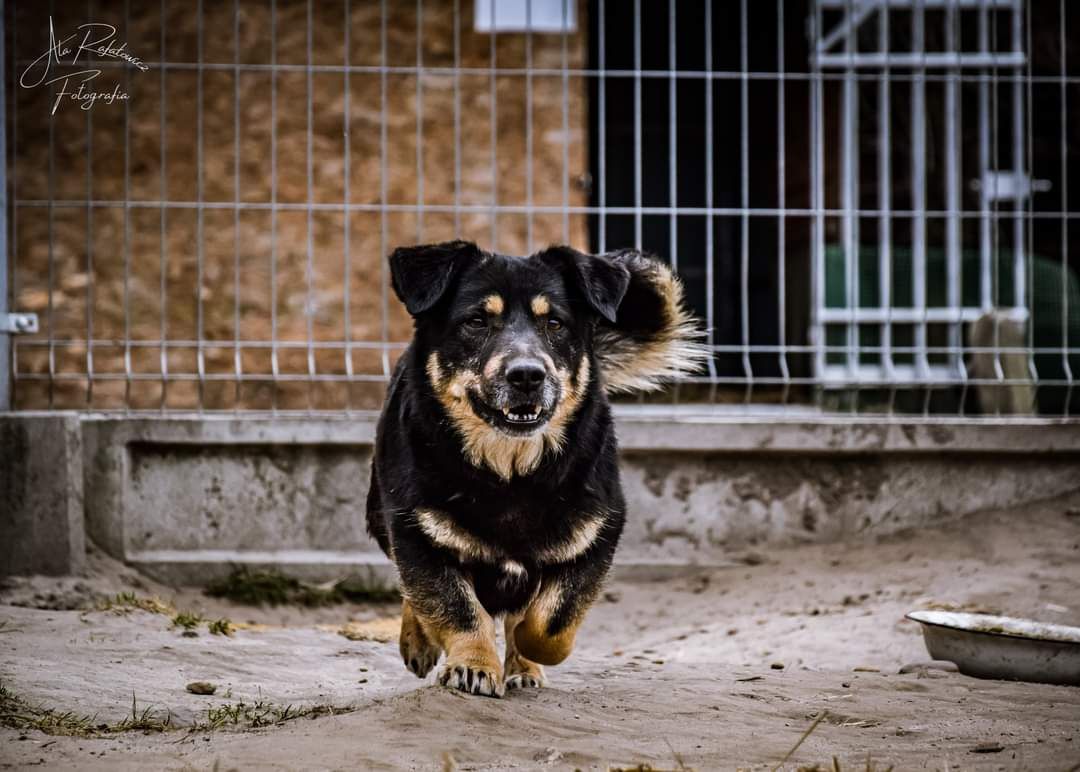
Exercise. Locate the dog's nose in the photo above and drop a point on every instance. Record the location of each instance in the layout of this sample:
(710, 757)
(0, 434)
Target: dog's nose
(525, 374)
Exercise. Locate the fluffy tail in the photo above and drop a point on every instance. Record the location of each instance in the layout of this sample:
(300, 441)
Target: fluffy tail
(654, 337)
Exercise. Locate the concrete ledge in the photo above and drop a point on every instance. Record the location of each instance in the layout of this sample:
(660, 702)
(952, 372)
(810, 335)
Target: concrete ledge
(651, 429)
(186, 497)
(656, 428)
(41, 502)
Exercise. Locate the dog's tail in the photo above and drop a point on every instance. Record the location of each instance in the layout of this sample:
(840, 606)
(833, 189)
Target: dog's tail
(654, 337)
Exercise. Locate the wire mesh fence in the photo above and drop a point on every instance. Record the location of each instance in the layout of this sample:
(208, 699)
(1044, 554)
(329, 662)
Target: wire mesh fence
(868, 200)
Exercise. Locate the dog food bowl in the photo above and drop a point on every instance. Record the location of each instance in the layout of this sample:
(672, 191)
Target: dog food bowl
(1007, 648)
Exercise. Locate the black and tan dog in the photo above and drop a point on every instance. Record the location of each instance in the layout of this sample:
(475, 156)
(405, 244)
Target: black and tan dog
(495, 485)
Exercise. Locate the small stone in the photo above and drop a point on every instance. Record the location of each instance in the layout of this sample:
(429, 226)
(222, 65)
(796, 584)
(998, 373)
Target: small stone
(846, 685)
(934, 664)
(865, 669)
(777, 666)
(988, 748)
(201, 687)
(548, 756)
(189, 634)
(611, 596)
(1072, 512)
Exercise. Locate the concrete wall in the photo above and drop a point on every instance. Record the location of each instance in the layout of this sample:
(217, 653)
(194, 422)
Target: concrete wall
(186, 498)
(41, 495)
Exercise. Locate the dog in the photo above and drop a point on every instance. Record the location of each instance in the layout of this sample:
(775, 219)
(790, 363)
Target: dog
(495, 484)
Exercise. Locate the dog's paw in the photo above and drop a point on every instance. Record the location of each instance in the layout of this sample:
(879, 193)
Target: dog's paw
(525, 681)
(471, 679)
(523, 674)
(422, 661)
(418, 652)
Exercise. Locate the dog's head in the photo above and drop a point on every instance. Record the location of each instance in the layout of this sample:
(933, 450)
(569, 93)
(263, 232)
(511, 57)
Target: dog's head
(507, 340)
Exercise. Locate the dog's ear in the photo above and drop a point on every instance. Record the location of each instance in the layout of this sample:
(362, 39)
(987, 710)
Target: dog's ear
(654, 337)
(602, 281)
(421, 274)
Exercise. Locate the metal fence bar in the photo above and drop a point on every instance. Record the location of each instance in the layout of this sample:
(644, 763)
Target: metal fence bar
(565, 61)
(918, 183)
(673, 141)
(637, 126)
(346, 299)
(89, 240)
(710, 318)
(199, 240)
(494, 96)
(718, 211)
(127, 223)
(375, 346)
(953, 171)
(419, 121)
(1029, 258)
(457, 118)
(1064, 97)
(309, 303)
(6, 358)
(384, 238)
(51, 319)
(817, 204)
(529, 182)
(601, 108)
(839, 62)
(163, 356)
(849, 200)
(884, 171)
(744, 202)
(984, 165)
(1019, 263)
(238, 365)
(273, 212)
(781, 197)
(10, 353)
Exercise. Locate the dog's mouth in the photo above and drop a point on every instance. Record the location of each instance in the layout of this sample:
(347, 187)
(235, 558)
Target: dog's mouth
(518, 418)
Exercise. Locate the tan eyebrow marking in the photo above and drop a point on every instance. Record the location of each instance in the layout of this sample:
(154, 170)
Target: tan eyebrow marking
(540, 305)
(493, 304)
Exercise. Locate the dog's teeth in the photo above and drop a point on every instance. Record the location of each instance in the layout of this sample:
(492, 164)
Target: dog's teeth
(506, 411)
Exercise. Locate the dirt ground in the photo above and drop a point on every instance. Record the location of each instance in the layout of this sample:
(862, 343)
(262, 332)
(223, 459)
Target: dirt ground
(715, 669)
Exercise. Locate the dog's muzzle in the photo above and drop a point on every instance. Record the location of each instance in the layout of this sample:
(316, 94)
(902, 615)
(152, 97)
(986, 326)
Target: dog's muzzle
(520, 399)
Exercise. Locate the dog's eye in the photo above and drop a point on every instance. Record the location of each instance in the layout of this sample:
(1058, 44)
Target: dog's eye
(476, 322)
(554, 324)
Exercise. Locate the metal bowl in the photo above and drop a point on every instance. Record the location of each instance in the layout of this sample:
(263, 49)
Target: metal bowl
(987, 646)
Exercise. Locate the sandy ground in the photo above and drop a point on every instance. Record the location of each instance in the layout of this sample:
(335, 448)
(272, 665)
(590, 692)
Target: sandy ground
(712, 670)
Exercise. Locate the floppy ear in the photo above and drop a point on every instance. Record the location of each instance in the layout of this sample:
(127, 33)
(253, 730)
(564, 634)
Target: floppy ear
(654, 337)
(421, 274)
(602, 281)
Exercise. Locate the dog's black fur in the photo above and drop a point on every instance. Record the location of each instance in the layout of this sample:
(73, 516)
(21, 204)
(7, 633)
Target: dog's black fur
(485, 509)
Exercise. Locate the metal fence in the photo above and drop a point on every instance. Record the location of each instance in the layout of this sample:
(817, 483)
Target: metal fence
(868, 200)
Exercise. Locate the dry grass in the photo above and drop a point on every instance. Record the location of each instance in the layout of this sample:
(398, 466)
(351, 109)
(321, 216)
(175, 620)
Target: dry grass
(129, 601)
(254, 715)
(263, 587)
(17, 713)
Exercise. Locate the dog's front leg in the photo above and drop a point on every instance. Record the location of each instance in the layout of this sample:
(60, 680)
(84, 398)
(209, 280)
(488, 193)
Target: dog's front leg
(546, 631)
(521, 672)
(443, 612)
